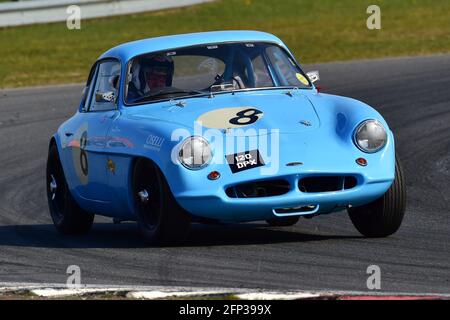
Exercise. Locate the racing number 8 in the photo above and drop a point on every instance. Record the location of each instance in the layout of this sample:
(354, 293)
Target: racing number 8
(83, 154)
(249, 114)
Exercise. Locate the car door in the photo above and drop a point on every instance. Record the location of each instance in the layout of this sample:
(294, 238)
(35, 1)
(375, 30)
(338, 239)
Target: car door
(87, 133)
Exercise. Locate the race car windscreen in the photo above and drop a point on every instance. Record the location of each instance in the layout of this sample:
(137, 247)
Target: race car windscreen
(211, 68)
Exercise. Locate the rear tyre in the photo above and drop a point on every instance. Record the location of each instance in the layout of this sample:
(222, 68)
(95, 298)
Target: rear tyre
(160, 219)
(283, 222)
(67, 216)
(382, 217)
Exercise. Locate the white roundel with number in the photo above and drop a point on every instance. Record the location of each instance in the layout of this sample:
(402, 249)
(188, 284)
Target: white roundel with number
(79, 155)
(230, 117)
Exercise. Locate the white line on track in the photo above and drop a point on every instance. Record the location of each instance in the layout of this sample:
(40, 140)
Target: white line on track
(53, 290)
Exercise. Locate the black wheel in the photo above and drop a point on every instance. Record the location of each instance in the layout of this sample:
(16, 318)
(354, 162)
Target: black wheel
(161, 220)
(383, 216)
(67, 216)
(283, 222)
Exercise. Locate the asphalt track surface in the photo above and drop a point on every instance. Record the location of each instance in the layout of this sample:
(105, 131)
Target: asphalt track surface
(326, 252)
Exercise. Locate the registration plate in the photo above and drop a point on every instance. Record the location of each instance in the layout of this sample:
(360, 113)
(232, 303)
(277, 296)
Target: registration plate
(244, 160)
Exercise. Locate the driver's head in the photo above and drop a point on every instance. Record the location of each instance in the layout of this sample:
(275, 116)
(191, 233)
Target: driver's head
(158, 72)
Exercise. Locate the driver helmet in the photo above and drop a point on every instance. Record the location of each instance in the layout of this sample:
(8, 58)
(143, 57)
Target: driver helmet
(157, 72)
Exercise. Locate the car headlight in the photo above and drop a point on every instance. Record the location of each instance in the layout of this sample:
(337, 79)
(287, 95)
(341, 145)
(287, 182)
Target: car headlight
(370, 136)
(195, 153)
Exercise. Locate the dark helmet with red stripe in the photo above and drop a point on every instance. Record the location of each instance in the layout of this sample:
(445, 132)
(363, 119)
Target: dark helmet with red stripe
(158, 66)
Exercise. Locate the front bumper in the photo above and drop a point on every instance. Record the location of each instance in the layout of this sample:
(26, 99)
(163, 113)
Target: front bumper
(209, 199)
(224, 208)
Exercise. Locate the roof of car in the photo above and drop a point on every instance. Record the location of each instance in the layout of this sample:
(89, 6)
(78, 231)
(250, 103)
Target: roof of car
(131, 49)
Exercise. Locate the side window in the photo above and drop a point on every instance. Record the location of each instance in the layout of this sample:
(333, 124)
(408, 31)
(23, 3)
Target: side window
(106, 88)
(87, 88)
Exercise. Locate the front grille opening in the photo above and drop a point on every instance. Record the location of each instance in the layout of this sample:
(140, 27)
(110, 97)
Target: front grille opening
(299, 209)
(268, 188)
(350, 182)
(326, 183)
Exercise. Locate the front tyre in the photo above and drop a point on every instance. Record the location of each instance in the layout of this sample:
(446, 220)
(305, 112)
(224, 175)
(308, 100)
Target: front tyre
(382, 217)
(160, 219)
(67, 216)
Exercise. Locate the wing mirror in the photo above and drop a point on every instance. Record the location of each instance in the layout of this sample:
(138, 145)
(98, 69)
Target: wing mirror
(313, 76)
(108, 96)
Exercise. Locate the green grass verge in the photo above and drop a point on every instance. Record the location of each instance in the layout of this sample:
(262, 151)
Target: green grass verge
(317, 31)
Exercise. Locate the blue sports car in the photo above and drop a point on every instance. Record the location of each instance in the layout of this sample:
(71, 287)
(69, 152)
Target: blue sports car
(218, 127)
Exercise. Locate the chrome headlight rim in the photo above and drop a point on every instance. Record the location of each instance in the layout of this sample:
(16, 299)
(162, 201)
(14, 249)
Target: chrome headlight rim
(195, 167)
(363, 124)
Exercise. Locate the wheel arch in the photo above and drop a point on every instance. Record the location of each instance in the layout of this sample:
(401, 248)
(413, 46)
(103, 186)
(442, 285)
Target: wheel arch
(134, 161)
(132, 167)
(54, 141)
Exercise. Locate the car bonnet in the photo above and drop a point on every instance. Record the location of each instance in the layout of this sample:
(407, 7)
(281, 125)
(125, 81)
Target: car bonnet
(253, 112)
